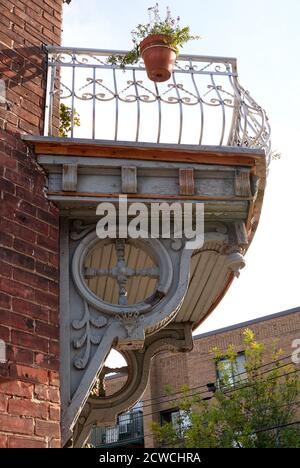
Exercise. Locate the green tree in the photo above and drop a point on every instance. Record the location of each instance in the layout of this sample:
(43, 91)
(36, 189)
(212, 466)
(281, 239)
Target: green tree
(65, 120)
(258, 410)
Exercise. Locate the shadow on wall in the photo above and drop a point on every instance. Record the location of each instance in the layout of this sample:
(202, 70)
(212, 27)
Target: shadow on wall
(22, 87)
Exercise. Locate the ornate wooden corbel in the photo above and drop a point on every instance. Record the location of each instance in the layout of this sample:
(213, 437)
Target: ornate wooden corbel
(91, 326)
(176, 337)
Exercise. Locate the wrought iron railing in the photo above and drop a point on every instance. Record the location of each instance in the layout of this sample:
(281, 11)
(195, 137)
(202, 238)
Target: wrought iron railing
(129, 431)
(202, 104)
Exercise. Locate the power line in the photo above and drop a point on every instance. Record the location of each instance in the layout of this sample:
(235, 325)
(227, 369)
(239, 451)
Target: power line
(260, 430)
(200, 393)
(277, 427)
(206, 391)
(205, 385)
(159, 411)
(272, 378)
(266, 408)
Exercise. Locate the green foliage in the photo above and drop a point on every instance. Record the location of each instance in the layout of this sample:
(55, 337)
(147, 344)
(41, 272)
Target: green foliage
(131, 57)
(168, 389)
(175, 36)
(166, 435)
(65, 120)
(238, 415)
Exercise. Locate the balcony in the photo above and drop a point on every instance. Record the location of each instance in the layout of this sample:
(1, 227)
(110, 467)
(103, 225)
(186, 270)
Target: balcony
(202, 105)
(198, 138)
(129, 432)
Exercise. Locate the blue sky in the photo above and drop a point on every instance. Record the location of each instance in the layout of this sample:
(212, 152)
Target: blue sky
(264, 35)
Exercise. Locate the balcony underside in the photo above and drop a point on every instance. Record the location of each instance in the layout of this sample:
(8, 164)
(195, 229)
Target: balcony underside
(229, 180)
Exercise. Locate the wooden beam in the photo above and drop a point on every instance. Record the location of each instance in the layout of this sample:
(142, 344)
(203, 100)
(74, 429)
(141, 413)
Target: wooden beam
(69, 177)
(129, 179)
(148, 196)
(152, 155)
(146, 151)
(186, 182)
(242, 183)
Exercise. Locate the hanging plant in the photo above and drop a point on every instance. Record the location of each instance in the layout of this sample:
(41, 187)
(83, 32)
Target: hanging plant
(158, 43)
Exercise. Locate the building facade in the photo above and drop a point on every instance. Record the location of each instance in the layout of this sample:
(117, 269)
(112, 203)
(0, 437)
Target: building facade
(29, 233)
(197, 369)
(138, 295)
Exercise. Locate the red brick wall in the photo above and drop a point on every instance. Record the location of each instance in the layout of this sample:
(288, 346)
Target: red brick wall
(29, 381)
(114, 384)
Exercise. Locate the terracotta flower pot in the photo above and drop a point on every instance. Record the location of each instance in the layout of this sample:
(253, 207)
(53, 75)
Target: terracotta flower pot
(158, 56)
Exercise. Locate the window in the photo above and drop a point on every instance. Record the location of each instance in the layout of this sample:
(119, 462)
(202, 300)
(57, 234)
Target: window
(179, 419)
(125, 423)
(111, 435)
(131, 422)
(231, 373)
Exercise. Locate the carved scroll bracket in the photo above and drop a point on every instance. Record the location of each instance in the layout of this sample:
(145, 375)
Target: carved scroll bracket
(176, 337)
(91, 326)
(95, 326)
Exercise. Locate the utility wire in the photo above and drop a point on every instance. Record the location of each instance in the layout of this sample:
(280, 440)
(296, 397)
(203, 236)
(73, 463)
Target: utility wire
(277, 427)
(236, 375)
(207, 391)
(205, 385)
(260, 430)
(200, 393)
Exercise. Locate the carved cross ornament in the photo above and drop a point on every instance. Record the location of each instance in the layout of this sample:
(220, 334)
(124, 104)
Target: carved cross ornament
(121, 272)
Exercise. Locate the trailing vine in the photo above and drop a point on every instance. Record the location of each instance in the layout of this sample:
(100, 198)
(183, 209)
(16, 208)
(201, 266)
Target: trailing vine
(65, 120)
